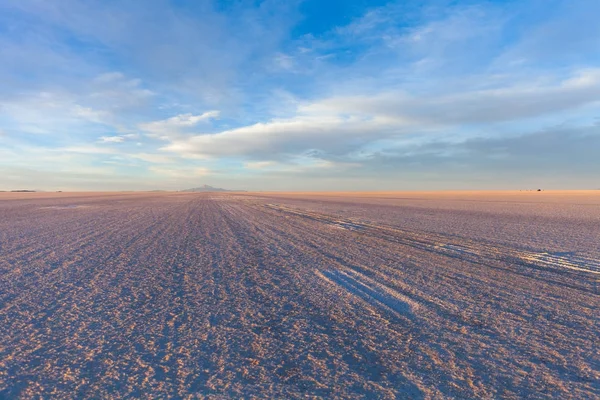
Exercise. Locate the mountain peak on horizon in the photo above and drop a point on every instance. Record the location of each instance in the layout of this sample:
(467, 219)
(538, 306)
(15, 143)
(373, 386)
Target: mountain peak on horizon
(206, 188)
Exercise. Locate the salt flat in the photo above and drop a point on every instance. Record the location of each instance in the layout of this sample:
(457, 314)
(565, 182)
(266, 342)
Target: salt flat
(289, 295)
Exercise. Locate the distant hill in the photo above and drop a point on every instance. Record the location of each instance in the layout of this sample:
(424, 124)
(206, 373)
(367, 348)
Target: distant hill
(207, 188)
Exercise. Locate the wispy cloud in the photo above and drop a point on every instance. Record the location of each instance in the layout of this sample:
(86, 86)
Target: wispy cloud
(164, 128)
(111, 139)
(153, 158)
(343, 125)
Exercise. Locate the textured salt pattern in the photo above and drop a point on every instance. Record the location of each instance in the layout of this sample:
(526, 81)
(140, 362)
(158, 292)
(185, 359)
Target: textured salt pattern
(171, 295)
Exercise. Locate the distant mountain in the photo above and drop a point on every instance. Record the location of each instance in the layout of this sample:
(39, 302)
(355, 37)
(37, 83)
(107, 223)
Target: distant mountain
(207, 188)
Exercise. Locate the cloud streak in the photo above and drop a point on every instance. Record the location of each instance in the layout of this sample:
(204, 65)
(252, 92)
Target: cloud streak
(163, 128)
(344, 125)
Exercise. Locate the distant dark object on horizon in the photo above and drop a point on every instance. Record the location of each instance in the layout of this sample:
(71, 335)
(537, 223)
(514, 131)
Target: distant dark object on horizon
(23, 191)
(207, 188)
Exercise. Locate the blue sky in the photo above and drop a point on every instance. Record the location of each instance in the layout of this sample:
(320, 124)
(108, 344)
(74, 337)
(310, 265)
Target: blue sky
(299, 95)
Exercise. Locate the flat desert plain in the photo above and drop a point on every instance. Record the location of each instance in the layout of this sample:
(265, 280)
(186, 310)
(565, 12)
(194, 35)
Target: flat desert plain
(295, 295)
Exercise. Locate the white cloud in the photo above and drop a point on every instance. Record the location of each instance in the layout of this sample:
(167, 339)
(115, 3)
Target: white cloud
(584, 78)
(152, 158)
(176, 123)
(344, 124)
(284, 62)
(111, 139)
(291, 135)
(86, 149)
(106, 100)
(88, 113)
(298, 165)
(116, 93)
(109, 77)
(259, 164)
(507, 101)
(48, 112)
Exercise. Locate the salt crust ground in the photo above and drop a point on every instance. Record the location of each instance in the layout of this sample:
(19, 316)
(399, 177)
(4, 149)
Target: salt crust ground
(293, 295)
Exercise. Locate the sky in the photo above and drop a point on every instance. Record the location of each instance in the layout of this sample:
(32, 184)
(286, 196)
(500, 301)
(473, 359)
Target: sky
(299, 95)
